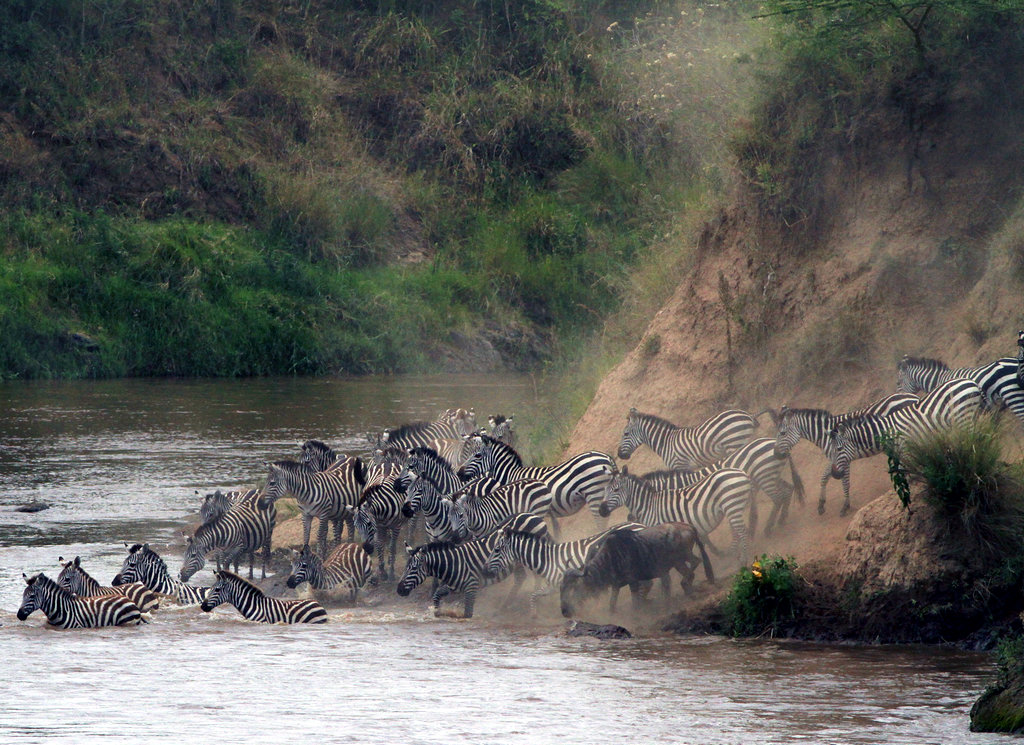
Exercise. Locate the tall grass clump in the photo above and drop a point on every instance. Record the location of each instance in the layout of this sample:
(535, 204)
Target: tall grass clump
(961, 473)
(761, 600)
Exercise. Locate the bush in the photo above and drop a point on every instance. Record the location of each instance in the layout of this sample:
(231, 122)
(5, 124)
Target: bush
(761, 598)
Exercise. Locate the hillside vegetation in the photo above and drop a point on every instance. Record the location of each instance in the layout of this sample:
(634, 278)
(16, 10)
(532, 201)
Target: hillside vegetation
(248, 187)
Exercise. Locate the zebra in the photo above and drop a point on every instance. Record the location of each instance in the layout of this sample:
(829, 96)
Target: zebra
(501, 428)
(758, 460)
(484, 512)
(319, 456)
(999, 382)
(955, 403)
(816, 426)
(243, 529)
(379, 517)
(687, 447)
(216, 504)
(457, 568)
(452, 424)
(77, 581)
(143, 564)
(526, 543)
(348, 564)
(727, 493)
(582, 479)
(68, 611)
(255, 605)
(329, 496)
(443, 520)
(1020, 358)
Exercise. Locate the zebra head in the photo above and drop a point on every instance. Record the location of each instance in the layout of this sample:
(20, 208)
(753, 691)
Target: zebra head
(632, 437)
(839, 435)
(195, 559)
(500, 561)
(134, 568)
(620, 488)
(366, 527)
(219, 593)
(501, 428)
(413, 497)
(32, 597)
(788, 435)
(1020, 346)
(275, 488)
(303, 567)
(480, 462)
(414, 571)
(70, 578)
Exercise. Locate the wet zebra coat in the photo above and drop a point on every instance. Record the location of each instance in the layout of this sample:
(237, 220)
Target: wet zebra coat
(816, 425)
(687, 447)
(68, 611)
(257, 606)
(379, 518)
(348, 564)
(484, 512)
(726, 494)
(244, 529)
(77, 581)
(143, 564)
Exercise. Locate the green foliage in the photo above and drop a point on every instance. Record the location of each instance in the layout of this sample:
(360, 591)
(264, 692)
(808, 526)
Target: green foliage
(897, 473)
(762, 596)
(964, 478)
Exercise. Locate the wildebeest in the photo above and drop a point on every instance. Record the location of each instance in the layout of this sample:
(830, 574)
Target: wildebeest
(627, 557)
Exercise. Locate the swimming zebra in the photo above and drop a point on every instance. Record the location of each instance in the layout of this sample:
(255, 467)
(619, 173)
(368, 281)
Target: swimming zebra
(501, 428)
(77, 581)
(319, 456)
(816, 425)
(143, 564)
(348, 564)
(582, 479)
(68, 611)
(255, 605)
(330, 496)
(999, 383)
(727, 494)
(379, 518)
(485, 508)
(687, 447)
(526, 543)
(457, 568)
(956, 403)
(443, 520)
(758, 459)
(243, 529)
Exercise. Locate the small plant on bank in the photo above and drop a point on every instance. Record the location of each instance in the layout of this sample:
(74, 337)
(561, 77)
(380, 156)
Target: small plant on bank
(762, 595)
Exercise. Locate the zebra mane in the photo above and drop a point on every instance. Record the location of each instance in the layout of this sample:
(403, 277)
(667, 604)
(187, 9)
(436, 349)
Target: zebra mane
(429, 453)
(319, 445)
(928, 362)
(662, 473)
(653, 418)
(488, 440)
(234, 578)
(412, 428)
(291, 466)
(434, 546)
(805, 412)
(360, 470)
(371, 491)
(47, 584)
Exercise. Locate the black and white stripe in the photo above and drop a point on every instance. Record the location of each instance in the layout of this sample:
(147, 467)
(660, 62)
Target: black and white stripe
(320, 456)
(244, 529)
(330, 496)
(143, 564)
(501, 429)
(379, 518)
(816, 425)
(726, 494)
(255, 605)
(687, 447)
(999, 382)
(484, 509)
(67, 611)
(443, 520)
(77, 581)
(348, 564)
(582, 479)
(956, 403)
(452, 424)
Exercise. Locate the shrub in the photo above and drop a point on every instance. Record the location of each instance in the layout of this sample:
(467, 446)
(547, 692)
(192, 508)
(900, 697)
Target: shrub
(761, 598)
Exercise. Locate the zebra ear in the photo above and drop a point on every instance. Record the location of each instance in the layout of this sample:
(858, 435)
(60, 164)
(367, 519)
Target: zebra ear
(625, 471)
(409, 549)
(633, 411)
(77, 562)
(60, 560)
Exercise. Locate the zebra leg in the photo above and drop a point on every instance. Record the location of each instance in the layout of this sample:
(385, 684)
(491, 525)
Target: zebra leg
(440, 592)
(518, 577)
(541, 587)
(824, 485)
(470, 600)
(307, 526)
(393, 547)
(266, 557)
(321, 536)
(846, 494)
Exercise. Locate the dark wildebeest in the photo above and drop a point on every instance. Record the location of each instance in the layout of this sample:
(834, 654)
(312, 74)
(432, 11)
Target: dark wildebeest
(628, 557)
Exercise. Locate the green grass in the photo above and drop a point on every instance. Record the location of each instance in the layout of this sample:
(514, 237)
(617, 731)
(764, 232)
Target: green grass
(762, 596)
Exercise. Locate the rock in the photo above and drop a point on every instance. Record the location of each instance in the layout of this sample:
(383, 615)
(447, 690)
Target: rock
(1001, 707)
(34, 506)
(601, 631)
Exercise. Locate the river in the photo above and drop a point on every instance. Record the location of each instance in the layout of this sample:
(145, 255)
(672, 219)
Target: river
(121, 461)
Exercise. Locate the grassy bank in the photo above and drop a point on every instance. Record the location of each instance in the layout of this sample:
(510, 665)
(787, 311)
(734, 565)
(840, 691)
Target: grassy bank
(240, 189)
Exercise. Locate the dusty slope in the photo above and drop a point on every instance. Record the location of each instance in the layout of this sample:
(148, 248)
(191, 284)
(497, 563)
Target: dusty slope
(916, 261)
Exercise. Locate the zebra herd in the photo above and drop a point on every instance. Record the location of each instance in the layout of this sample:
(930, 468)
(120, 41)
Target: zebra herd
(487, 516)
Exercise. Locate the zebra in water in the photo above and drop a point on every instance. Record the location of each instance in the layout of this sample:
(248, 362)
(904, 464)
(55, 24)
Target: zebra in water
(501, 429)
(725, 494)
(329, 496)
(348, 564)
(484, 509)
(243, 529)
(77, 581)
(526, 543)
(956, 403)
(379, 518)
(457, 568)
(688, 447)
(758, 459)
(1000, 386)
(68, 611)
(216, 504)
(255, 605)
(582, 479)
(143, 564)
(816, 425)
(443, 520)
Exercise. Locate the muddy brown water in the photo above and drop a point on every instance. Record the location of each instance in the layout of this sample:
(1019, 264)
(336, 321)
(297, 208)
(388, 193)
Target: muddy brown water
(120, 461)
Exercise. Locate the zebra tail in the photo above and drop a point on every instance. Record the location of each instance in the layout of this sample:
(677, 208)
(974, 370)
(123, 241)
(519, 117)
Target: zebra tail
(708, 571)
(798, 483)
(753, 514)
(770, 412)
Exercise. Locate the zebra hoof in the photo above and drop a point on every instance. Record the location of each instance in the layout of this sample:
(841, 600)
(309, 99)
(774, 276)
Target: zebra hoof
(844, 511)
(821, 508)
